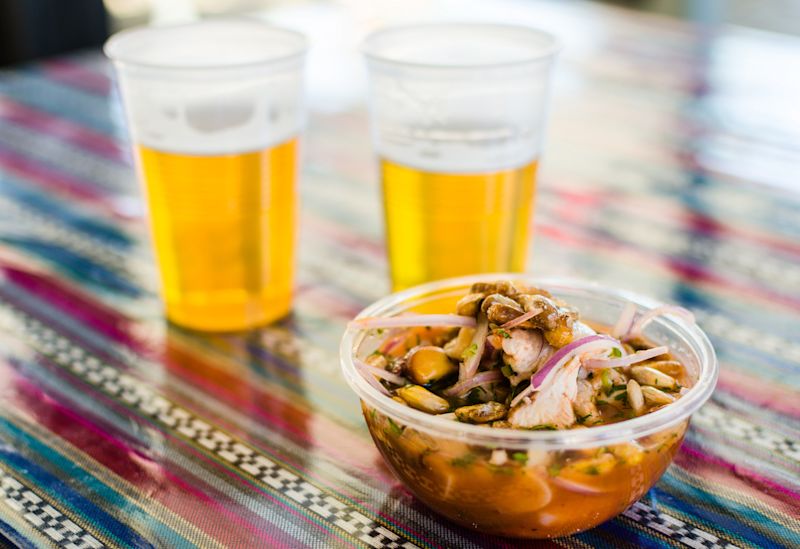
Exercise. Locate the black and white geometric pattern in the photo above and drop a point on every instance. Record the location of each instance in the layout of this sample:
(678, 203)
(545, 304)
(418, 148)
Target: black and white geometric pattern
(243, 457)
(713, 417)
(675, 529)
(43, 516)
(723, 327)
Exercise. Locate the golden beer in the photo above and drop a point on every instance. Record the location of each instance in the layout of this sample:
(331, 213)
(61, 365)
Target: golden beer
(224, 230)
(441, 224)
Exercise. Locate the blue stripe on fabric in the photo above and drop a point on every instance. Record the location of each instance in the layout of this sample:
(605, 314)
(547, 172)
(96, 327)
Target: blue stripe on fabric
(9, 537)
(720, 521)
(742, 511)
(30, 87)
(109, 495)
(75, 266)
(617, 529)
(35, 476)
(22, 193)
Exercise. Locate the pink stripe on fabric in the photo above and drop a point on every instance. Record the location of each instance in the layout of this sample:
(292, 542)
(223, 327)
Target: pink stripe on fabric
(737, 470)
(76, 75)
(52, 180)
(46, 411)
(61, 128)
(74, 303)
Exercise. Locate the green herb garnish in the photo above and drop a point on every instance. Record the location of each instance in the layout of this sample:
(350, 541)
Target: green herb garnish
(506, 370)
(470, 351)
(591, 470)
(544, 427)
(395, 428)
(605, 378)
(554, 469)
(464, 461)
(503, 333)
(500, 469)
(522, 457)
(615, 352)
(582, 419)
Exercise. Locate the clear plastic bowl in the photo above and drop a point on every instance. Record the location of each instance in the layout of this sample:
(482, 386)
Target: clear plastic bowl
(552, 483)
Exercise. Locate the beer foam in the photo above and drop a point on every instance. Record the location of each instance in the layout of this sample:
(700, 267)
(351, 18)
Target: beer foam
(212, 87)
(187, 118)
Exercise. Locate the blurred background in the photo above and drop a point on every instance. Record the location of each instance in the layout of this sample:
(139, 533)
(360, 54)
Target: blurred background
(736, 57)
(30, 29)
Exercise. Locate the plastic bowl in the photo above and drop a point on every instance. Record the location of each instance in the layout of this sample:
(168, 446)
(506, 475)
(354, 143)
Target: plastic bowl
(530, 484)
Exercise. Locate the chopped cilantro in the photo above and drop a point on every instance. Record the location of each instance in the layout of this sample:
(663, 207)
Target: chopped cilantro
(395, 428)
(605, 377)
(582, 419)
(553, 469)
(544, 427)
(464, 461)
(500, 469)
(615, 352)
(377, 352)
(522, 457)
(506, 370)
(470, 351)
(615, 388)
(503, 333)
(621, 396)
(591, 470)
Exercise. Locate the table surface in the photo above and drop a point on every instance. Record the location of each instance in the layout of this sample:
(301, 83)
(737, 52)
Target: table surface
(669, 171)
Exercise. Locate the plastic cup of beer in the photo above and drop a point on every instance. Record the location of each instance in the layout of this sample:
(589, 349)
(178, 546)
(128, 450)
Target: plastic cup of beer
(214, 111)
(457, 115)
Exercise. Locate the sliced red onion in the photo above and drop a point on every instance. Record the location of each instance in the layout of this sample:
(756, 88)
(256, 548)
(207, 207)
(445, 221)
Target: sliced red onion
(645, 319)
(477, 380)
(583, 345)
(391, 342)
(410, 321)
(625, 321)
(380, 372)
(640, 356)
(370, 378)
(521, 318)
(575, 486)
(470, 365)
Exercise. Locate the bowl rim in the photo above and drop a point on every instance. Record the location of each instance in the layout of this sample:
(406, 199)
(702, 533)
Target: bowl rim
(615, 433)
(371, 47)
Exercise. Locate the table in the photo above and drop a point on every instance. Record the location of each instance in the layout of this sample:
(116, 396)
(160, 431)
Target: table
(670, 170)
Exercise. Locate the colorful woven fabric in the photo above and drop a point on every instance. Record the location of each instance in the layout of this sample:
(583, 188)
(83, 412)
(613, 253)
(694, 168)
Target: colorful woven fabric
(666, 173)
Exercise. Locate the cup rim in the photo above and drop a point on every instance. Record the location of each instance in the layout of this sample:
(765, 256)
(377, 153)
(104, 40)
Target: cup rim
(615, 433)
(369, 45)
(113, 46)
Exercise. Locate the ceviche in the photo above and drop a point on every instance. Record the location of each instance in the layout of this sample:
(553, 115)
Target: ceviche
(514, 357)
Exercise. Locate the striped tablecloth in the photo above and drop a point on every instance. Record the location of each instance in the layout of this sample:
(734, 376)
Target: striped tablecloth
(669, 171)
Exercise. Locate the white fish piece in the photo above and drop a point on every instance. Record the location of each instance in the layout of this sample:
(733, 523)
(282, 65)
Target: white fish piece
(525, 352)
(552, 403)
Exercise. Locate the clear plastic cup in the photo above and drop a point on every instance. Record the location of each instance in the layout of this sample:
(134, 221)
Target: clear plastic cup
(555, 483)
(214, 111)
(458, 115)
